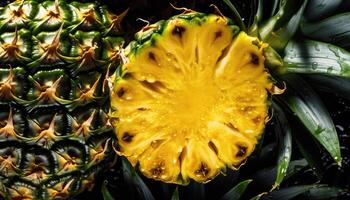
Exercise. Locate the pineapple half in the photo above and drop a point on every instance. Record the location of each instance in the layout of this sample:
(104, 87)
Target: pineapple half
(54, 130)
(191, 98)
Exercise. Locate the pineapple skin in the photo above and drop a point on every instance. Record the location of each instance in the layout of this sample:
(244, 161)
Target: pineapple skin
(191, 98)
(55, 58)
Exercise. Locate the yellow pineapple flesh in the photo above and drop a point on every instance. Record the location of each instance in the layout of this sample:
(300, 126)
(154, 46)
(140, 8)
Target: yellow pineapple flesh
(191, 98)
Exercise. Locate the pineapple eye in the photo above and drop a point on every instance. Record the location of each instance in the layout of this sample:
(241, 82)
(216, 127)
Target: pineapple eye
(121, 92)
(254, 59)
(203, 170)
(242, 150)
(218, 34)
(256, 120)
(152, 56)
(178, 31)
(127, 137)
(158, 170)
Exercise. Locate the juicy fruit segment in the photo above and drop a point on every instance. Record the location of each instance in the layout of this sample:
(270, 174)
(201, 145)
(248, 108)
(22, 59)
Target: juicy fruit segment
(191, 99)
(54, 129)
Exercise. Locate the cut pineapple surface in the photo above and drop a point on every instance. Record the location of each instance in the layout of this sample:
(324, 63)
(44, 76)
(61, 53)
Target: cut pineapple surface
(191, 98)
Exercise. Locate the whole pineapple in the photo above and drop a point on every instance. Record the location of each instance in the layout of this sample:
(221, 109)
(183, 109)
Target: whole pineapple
(54, 131)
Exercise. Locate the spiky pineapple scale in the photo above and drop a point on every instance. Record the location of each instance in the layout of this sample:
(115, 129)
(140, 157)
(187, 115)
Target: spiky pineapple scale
(191, 99)
(54, 130)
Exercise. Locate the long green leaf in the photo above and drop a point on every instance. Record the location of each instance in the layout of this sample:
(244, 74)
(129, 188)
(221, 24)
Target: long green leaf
(279, 29)
(236, 15)
(290, 192)
(253, 29)
(257, 197)
(284, 134)
(176, 195)
(105, 193)
(266, 177)
(236, 192)
(295, 167)
(316, 57)
(335, 30)
(306, 105)
(132, 177)
(311, 152)
(325, 193)
(197, 190)
(317, 9)
(331, 84)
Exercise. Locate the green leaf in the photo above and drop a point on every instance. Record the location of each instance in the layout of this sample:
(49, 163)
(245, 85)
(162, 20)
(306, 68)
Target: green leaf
(236, 192)
(291, 192)
(197, 190)
(284, 135)
(253, 29)
(273, 60)
(335, 30)
(317, 9)
(105, 193)
(317, 58)
(132, 177)
(311, 152)
(175, 195)
(265, 177)
(295, 167)
(325, 193)
(331, 84)
(307, 106)
(237, 16)
(274, 7)
(279, 29)
(257, 197)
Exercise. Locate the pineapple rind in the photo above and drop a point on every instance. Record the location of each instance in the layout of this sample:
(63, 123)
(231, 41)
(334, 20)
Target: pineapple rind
(55, 134)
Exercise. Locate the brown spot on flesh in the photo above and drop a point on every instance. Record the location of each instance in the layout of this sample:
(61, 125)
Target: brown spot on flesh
(127, 137)
(223, 54)
(203, 170)
(242, 150)
(152, 56)
(142, 109)
(254, 58)
(218, 34)
(213, 147)
(158, 170)
(256, 120)
(232, 127)
(178, 31)
(121, 92)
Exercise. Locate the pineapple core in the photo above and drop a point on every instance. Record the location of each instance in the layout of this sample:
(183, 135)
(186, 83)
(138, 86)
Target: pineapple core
(192, 100)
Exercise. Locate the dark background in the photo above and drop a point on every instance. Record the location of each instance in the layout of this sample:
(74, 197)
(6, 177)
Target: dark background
(154, 10)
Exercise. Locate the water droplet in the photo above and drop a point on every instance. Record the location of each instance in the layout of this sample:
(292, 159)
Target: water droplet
(314, 65)
(150, 78)
(320, 6)
(330, 69)
(334, 50)
(317, 48)
(319, 130)
(340, 127)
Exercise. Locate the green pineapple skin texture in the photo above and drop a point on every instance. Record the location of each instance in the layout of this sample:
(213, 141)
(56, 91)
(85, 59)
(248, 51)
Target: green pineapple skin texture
(54, 130)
